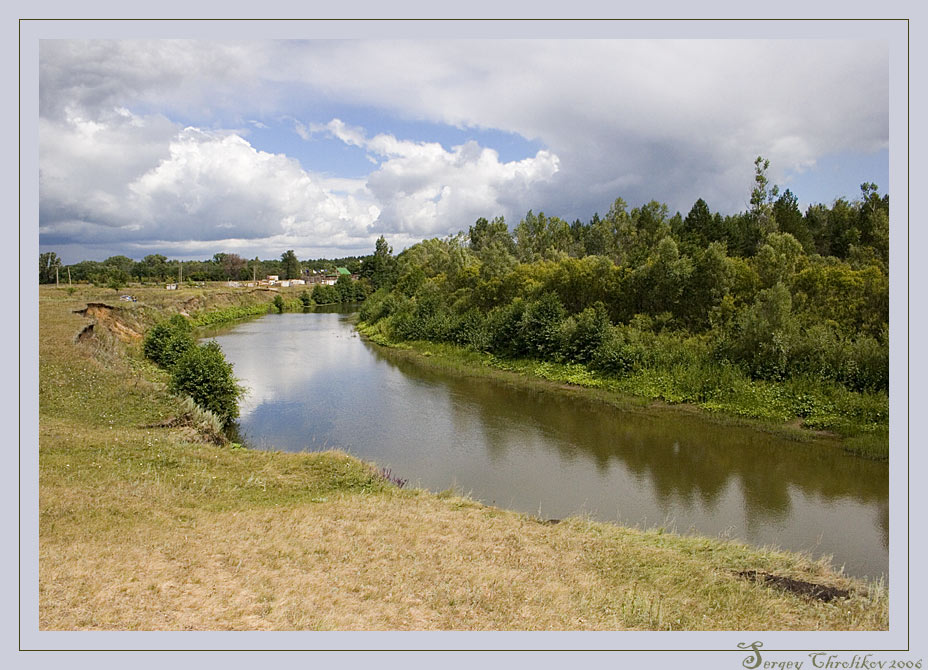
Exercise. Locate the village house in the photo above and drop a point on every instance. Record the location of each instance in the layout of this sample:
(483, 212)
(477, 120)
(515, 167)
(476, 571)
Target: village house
(313, 277)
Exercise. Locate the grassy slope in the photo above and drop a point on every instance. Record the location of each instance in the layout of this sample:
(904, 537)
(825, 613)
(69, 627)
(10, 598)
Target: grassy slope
(146, 527)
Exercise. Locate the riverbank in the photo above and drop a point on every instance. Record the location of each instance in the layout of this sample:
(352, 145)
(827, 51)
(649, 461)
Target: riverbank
(757, 405)
(144, 524)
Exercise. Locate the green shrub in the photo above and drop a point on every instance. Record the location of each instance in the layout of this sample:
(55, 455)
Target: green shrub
(503, 324)
(591, 328)
(434, 320)
(403, 322)
(279, 302)
(866, 365)
(860, 363)
(539, 328)
(203, 373)
(323, 294)
(471, 330)
(345, 289)
(620, 353)
(167, 341)
(763, 335)
(377, 306)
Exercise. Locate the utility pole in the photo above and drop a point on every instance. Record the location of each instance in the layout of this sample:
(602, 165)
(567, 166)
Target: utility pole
(69, 275)
(56, 275)
(180, 273)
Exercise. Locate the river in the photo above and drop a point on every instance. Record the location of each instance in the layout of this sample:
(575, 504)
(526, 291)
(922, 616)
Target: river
(313, 384)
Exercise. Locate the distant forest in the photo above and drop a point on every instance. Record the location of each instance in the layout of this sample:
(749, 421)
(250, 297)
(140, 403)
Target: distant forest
(158, 268)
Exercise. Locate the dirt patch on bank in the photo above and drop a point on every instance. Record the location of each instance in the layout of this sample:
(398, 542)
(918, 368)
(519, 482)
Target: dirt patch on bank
(108, 317)
(798, 586)
(85, 335)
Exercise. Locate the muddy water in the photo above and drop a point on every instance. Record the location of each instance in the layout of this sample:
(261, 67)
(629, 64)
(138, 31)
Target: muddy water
(314, 384)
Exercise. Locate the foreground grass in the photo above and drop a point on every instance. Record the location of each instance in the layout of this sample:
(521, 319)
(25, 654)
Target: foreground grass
(144, 526)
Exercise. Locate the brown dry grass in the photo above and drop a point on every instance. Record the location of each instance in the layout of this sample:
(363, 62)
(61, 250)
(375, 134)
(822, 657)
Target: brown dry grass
(414, 562)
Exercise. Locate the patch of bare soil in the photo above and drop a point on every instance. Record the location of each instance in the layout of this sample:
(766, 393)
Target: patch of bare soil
(106, 316)
(85, 334)
(809, 589)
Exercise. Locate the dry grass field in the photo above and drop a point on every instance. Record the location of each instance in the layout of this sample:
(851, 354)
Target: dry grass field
(146, 525)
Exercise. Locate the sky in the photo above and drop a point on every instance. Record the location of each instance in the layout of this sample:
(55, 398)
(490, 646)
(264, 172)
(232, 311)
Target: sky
(189, 148)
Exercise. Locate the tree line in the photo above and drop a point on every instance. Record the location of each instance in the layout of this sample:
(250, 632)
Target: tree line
(770, 293)
(158, 268)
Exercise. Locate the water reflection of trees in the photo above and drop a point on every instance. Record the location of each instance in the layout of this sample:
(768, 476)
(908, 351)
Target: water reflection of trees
(682, 457)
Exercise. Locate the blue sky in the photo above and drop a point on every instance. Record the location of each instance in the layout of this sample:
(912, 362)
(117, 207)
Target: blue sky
(327, 155)
(839, 175)
(190, 147)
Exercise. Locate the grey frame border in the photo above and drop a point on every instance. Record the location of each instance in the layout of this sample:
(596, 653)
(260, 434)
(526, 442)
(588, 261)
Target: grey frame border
(907, 22)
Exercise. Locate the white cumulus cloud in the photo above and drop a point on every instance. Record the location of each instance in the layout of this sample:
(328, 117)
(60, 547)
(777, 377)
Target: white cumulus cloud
(148, 181)
(426, 190)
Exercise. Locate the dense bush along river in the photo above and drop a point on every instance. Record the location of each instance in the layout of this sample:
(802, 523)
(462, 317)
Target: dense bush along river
(313, 384)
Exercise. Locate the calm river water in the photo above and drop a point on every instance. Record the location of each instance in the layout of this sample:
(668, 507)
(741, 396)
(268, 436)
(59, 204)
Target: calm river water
(314, 384)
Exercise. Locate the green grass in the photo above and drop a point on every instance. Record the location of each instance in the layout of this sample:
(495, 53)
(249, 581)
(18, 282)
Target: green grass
(225, 315)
